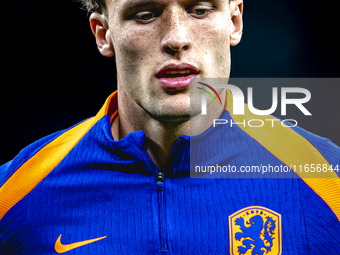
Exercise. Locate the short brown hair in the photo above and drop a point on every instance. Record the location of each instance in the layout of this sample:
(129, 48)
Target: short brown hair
(94, 6)
(98, 5)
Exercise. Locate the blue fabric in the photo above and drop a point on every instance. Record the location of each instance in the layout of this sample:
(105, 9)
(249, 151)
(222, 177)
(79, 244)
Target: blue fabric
(10, 167)
(329, 150)
(7, 169)
(109, 188)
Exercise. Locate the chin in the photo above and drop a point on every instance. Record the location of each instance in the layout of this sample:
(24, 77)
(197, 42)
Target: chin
(177, 108)
(174, 118)
(177, 114)
(174, 115)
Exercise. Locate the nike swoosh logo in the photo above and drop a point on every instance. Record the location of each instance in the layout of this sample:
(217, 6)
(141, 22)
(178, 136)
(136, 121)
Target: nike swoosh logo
(61, 248)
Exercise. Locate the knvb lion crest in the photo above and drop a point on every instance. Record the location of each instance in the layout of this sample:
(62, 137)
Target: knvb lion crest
(255, 230)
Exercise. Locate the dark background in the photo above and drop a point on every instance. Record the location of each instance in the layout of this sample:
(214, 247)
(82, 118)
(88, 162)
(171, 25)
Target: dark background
(54, 76)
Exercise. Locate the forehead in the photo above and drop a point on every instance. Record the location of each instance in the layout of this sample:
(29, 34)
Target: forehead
(122, 5)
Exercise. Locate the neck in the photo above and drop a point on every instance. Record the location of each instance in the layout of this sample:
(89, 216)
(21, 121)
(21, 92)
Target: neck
(161, 136)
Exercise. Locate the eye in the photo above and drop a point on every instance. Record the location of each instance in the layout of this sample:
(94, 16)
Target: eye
(144, 16)
(201, 12)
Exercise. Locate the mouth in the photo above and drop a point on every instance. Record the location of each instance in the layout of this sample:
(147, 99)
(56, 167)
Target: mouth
(177, 77)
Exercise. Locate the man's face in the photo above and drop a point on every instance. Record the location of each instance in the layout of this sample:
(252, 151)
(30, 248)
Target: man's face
(161, 45)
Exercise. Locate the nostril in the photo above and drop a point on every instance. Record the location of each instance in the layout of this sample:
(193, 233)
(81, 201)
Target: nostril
(173, 48)
(177, 48)
(175, 42)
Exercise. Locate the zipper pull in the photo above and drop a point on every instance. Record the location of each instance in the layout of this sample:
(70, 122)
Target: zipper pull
(160, 177)
(160, 180)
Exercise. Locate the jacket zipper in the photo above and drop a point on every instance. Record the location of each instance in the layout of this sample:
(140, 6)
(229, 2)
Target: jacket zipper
(163, 235)
(161, 212)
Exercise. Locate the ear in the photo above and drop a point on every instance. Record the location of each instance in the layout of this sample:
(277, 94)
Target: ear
(236, 11)
(101, 31)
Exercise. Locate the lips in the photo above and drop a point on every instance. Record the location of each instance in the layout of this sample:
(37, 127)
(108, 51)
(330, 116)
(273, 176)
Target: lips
(177, 76)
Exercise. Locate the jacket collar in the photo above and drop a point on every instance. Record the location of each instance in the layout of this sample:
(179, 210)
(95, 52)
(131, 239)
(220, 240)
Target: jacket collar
(132, 146)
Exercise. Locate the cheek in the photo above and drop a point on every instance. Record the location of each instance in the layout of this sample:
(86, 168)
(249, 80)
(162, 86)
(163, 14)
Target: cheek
(134, 45)
(134, 50)
(215, 44)
(135, 56)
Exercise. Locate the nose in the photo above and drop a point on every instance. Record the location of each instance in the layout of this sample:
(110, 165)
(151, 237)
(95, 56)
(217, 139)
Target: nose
(176, 36)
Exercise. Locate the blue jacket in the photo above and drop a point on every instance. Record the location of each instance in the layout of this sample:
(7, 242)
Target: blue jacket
(80, 192)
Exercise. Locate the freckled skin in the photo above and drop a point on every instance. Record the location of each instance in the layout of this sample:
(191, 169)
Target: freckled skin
(139, 50)
(146, 37)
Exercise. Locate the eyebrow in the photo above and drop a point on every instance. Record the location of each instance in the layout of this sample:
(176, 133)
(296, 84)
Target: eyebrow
(132, 6)
(129, 7)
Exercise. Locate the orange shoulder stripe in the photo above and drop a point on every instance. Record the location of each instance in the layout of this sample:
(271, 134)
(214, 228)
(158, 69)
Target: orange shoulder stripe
(292, 149)
(34, 170)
